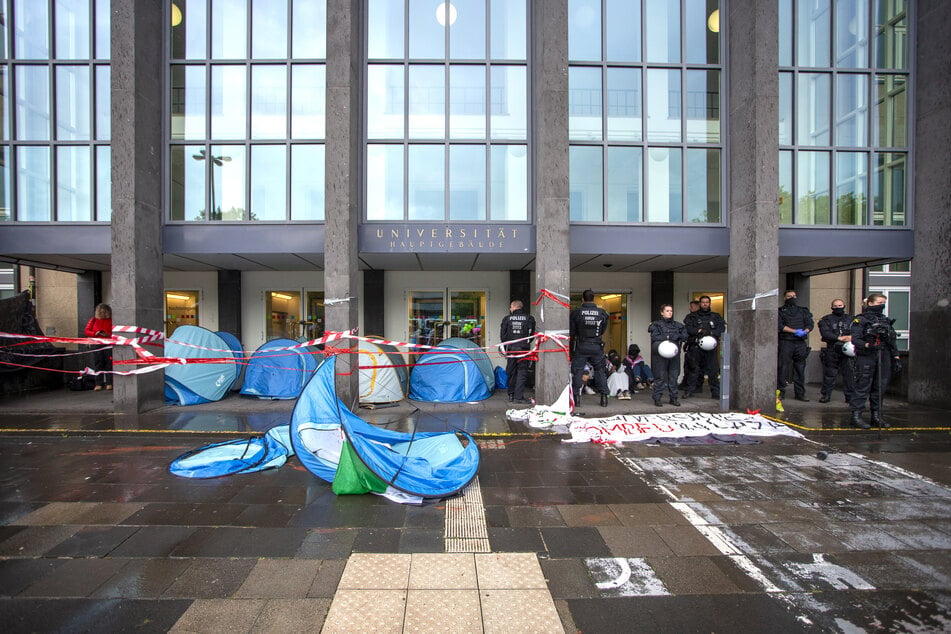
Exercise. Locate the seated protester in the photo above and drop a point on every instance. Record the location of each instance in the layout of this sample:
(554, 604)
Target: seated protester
(618, 380)
(637, 369)
(587, 379)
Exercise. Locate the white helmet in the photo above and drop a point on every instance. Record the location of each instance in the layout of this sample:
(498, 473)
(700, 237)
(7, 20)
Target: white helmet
(848, 349)
(708, 343)
(668, 349)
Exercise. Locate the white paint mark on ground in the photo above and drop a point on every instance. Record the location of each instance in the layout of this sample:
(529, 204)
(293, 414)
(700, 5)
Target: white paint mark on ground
(620, 577)
(823, 571)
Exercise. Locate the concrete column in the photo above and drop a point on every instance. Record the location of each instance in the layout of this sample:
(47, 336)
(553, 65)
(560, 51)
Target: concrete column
(550, 131)
(229, 302)
(929, 353)
(342, 187)
(137, 215)
(753, 160)
(662, 292)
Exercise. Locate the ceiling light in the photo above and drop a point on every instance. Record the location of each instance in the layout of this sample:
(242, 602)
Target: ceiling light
(713, 22)
(177, 296)
(176, 15)
(282, 296)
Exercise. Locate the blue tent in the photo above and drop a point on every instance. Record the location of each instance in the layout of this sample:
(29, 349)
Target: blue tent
(278, 374)
(335, 444)
(458, 371)
(238, 351)
(242, 455)
(194, 383)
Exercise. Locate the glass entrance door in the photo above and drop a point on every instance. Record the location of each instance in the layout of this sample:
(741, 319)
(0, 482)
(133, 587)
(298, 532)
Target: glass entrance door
(435, 315)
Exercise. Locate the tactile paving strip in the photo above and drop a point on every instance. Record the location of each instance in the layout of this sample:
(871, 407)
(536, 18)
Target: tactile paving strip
(465, 528)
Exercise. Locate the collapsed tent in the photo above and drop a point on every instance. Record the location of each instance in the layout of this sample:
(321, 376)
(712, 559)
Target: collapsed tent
(383, 377)
(356, 457)
(457, 371)
(242, 455)
(238, 351)
(279, 374)
(194, 383)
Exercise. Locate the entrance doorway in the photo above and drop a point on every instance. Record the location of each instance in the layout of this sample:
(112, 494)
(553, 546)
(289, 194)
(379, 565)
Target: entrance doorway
(435, 315)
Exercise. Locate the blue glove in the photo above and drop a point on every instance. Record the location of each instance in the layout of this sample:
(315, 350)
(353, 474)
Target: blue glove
(801, 332)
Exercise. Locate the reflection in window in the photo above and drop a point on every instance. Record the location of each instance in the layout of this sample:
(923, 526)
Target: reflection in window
(663, 36)
(814, 109)
(104, 183)
(73, 182)
(72, 103)
(813, 26)
(467, 182)
(890, 189)
(385, 182)
(268, 30)
(851, 196)
(703, 185)
(189, 99)
(664, 185)
(625, 184)
(891, 110)
(584, 103)
(268, 182)
(187, 196)
(31, 29)
(785, 187)
(891, 34)
(307, 182)
(426, 183)
(181, 309)
(228, 102)
(283, 314)
(5, 211)
(509, 183)
(229, 29)
(33, 184)
(851, 33)
(71, 29)
(585, 184)
(268, 102)
(813, 189)
(623, 90)
(851, 107)
(33, 103)
(703, 106)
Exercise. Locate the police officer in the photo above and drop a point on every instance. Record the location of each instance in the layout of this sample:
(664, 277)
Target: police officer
(586, 326)
(795, 324)
(836, 331)
(517, 325)
(666, 369)
(703, 323)
(876, 359)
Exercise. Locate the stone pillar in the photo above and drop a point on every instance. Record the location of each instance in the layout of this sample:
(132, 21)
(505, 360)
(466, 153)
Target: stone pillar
(342, 187)
(929, 354)
(752, 101)
(137, 215)
(662, 292)
(552, 241)
(229, 302)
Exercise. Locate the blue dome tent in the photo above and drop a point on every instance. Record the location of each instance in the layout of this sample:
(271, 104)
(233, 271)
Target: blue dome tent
(194, 383)
(278, 374)
(238, 351)
(458, 371)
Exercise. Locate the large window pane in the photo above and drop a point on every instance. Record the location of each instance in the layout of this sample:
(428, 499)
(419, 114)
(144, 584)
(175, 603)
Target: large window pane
(385, 182)
(624, 104)
(385, 102)
(703, 185)
(228, 169)
(307, 182)
(31, 29)
(467, 118)
(813, 189)
(814, 106)
(73, 184)
(229, 29)
(785, 187)
(188, 102)
(33, 184)
(309, 38)
(467, 35)
(703, 106)
(385, 29)
(103, 23)
(427, 182)
(851, 191)
(268, 182)
(664, 185)
(467, 182)
(584, 103)
(851, 33)
(702, 32)
(851, 110)
(307, 102)
(269, 29)
(585, 184)
(625, 184)
(509, 165)
(814, 31)
(623, 30)
(508, 32)
(584, 30)
(33, 103)
(427, 102)
(72, 103)
(268, 102)
(72, 29)
(228, 102)
(103, 103)
(785, 109)
(103, 183)
(6, 213)
(508, 94)
(189, 34)
(187, 194)
(663, 36)
(4, 103)
(890, 187)
(785, 32)
(663, 105)
(427, 32)
(891, 34)
(891, 114)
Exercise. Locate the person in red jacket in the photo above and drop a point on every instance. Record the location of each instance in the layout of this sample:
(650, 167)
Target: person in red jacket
(101, 326)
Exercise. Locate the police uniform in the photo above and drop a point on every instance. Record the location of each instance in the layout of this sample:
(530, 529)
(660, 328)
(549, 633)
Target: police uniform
(793, 349)
(517, 325)
(703, 323)
(666, 371)
(876, 356)
(834, 325)
(586, 326)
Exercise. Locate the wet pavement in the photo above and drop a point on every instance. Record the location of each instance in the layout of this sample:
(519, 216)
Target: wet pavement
(95, 534)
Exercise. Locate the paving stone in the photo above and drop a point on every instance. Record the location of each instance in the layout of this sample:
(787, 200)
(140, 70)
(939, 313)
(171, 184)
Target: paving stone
(686, 541)
(211, 579)
(577, 541)
(588, 515)
(220, 615)
(650, 514)
(328, 578)
(692, 575)
(634, 541)
(377, 540)
(519, 540)
(279, 579)
(420, 540)
(35, 541)
(18, 574)
(376, 571)
(142, 578)
(806, 538)
(509, 571)
(525, 516)
(366, 611)
(327, 543)
(507, 611)
(568, 579)
(291, 615)
(75, 578)
(153, 541)
(443, 611)
(89, 615)
(444, 571)
(863, 536)
(92, 541)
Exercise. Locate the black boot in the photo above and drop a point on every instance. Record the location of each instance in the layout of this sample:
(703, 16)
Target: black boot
(658, 403)
(857, 420)
(824, 398)
(604, 400)
(876, 420)
(674, 401)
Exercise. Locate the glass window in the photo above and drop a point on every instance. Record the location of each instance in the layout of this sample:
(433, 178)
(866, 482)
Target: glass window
(269, 29)
(584, 30)
(785, 187)
(814, 31)
(427, 28)
(73, 183)
(104, 183)
(228, 102)
(309, 37)
(308, 120)
(385, 102)
(702, 31)
(467, 35)
(663, 35)
(891, 34)
(427, 182)
(851, 195)
(467, 118)
(187, 195)
(228, 169)
(72, 103)
(851, 33)
(703, 185)
(851, 108)
(268, 182)
(103, 25)
(508, 30)
(703, 106)
(624, 104)
(268, 102)
(33, 103)
(427, 102)
(625, 184)
(229, 28)
(663, 105)
(785, 109)
(189, 98)
(284, 314)
(509, 184)
(890, 186)
(189, 29)
(891, 111)
(6, 213)
(467, 182)
(385, 29)
(72, 29)
(508, 95)
(33, 184)
(585, 184)
(785, 32)
(813, 189)
(664, 185)
(313, 328)
(814, 109)
(181, 309)
(31, 28)
(623, 30)
(307, 182)
(4, 104)
(103, 103)
(384, 182)
(584, 103)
